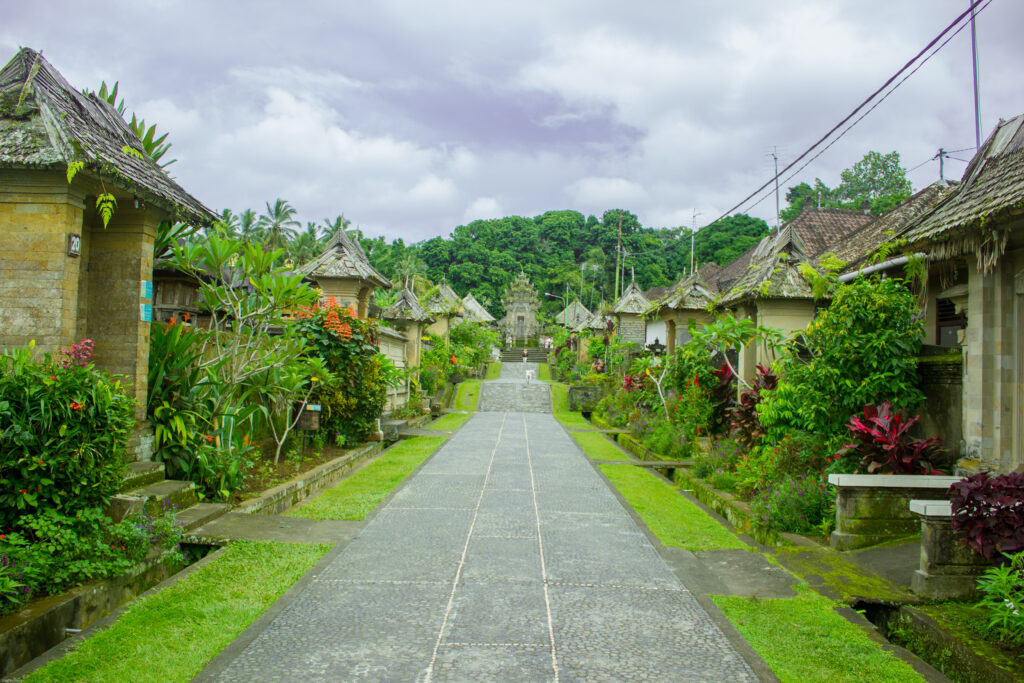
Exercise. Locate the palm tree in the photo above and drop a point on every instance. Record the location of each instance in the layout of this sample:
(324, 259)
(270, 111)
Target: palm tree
(336, 224)
(278, 224)
(228, 225)
(249, 226)
(413, 270)
(306, 245)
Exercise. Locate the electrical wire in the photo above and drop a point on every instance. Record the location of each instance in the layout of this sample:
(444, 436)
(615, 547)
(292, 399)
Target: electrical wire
(975, 9)
(856, 121)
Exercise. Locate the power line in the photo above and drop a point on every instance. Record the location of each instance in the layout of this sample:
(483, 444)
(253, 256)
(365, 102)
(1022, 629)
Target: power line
(973, 9)
(856, 121)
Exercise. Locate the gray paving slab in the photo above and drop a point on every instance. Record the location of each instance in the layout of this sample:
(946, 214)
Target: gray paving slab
(505, 557)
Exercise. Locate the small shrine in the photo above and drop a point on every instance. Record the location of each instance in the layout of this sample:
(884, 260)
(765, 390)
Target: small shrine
(443, 304)
(629, 313)
(521, 306)
(343, 271)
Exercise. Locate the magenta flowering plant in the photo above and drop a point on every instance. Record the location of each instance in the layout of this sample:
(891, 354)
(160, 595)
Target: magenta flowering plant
(884, 445)
(79, 354)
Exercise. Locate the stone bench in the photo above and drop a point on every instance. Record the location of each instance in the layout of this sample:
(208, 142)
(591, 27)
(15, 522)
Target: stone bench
(875, 508)
(948, 568)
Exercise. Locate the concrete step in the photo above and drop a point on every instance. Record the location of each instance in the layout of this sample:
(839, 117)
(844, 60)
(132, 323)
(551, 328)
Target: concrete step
(200, 514)
(153, 497)
(393, 428)
(141, 474)
(516, 356)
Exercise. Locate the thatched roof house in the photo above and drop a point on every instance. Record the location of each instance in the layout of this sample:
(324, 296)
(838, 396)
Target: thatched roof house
(573, 315)
(343, 271)
(629, 313)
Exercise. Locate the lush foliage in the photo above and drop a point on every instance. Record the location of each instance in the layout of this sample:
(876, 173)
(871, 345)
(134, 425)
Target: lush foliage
(744, 421)
(1003, 591)
(464, 353)
(49, 551)
(859, 350)
(353, 397)
(884, 445)
(877, 178)
(797, 504)
(988, 512)
(64, 427)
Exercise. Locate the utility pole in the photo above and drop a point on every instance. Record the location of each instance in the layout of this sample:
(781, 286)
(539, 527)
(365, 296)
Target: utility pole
(775, 159)
(977, 98)
(618, 254)
(942, 158)
(693, 235)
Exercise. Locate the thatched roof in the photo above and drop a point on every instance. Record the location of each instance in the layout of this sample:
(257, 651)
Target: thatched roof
(406, 307)
(573, 315)
(45, 123)
(977, 215)
(632, 301)
(342, 257)
(598, 321)
(474, 311)
(774, 270)
(820, 229)
(444, 301)
(855, 249)
(692, 292)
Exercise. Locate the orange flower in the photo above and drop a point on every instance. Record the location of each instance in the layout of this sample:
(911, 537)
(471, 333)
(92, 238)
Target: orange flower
(170, 323)
(208, 438)
(245, 440)
(75, 405)
(344, 331)
(332, 323)
(330, 302)
(352, 311)
(185, 316)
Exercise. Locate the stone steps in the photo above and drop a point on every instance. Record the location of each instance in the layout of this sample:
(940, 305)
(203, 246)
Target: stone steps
(153, 497)
(535, 355)
(200, 514)
(142, 474)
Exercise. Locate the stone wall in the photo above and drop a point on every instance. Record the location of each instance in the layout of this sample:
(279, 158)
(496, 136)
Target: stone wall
(631, 328)
(39, 282)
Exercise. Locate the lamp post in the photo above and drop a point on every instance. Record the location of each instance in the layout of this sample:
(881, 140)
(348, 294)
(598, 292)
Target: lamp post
(565, 316)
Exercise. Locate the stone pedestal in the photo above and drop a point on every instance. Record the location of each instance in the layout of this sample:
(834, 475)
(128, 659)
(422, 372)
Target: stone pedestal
(948, 568)
(875, 508)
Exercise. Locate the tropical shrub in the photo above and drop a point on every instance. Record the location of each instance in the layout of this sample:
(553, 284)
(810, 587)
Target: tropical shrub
(988, 512)
(1003, 591)
(472, 343)
(859, 350)
(884, 445)
(794, 504)
(64, 428)
(353, 399)
(50, 551)
(722, 456)
(744, 421)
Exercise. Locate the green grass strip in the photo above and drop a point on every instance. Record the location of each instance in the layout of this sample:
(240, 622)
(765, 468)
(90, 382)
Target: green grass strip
(544, 372)
(354, 496)
(467, 395)
(573, 420)
(599, 447)
(493, 370)
(172, 634)
(559, 397)
(805, 639)
(672, 518)
(449, 422)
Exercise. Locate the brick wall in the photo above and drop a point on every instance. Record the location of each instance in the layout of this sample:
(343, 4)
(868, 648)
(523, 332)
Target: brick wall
(632, 328)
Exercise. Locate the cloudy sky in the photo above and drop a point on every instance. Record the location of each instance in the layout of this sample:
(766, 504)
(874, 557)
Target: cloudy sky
(412, 117)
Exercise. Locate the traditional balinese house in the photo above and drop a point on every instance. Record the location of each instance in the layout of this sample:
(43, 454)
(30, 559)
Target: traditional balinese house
(573, 315)
(474, 312)
(772, 291)
(407, 316)
(444, 306)
(629, 310)
(521, 306)
(343, 271)
(689, 300)
(80, 206)
(978, 228)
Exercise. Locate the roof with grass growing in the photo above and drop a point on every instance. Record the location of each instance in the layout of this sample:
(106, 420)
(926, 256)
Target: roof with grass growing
(46, 124)
(632, 301)
(406, 307)
(473, 310)
(573, 315)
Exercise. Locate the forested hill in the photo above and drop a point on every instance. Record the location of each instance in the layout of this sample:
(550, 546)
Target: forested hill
(562, 252)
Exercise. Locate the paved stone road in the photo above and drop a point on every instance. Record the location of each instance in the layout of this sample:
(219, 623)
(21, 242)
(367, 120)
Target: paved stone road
(512, 394)
(505, 558)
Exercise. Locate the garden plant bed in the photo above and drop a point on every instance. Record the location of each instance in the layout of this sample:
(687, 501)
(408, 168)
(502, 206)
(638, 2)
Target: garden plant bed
(44, 623)
(276, 500)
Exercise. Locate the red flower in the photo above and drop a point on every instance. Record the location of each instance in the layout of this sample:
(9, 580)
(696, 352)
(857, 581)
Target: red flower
(208, 438)
(171, 322)
(185, 316)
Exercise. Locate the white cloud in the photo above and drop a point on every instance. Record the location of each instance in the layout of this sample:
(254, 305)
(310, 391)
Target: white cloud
(606, 192)
(482, 208)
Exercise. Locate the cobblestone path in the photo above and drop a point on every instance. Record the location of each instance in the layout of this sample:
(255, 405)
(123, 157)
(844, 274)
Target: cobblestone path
(504, 558)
